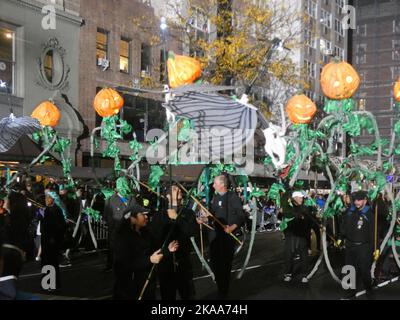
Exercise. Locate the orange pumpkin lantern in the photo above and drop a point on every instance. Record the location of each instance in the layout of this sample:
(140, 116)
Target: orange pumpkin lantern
(182, 70)
(47, 114)
(108, 102)
(396, 91)
(339, 80)
(300, 109)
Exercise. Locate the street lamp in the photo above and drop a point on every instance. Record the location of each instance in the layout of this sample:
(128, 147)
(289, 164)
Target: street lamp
(163, 27)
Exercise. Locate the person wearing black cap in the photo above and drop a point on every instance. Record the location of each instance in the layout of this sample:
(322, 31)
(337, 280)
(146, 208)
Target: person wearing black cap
(134, 253)
(357, 231)
(175, 272)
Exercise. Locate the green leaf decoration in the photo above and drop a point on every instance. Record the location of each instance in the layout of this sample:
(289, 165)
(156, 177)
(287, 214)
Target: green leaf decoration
(123, 187)
(107, 193)
(284, 224)
(156, 172)
(94, 214)
(274, 193)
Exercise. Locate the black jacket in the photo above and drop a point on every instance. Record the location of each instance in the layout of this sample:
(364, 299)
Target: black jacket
(358, 226)
(53, 226)
(132, 251)
(300, 225)
(184, 227)
(228, 208)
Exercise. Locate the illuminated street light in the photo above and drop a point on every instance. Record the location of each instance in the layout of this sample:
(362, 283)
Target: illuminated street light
(163, 25)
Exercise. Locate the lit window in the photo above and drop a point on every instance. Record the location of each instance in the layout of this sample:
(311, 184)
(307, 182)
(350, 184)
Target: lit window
(145, 60)
(101, 46)
(7, 59)
(124, 56)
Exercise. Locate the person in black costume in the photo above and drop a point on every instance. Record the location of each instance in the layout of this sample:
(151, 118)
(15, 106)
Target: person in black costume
(134, 253)
(113, 211)
(357, 231)
(175, 272)
(297, 234)
(52, 228)
(227, 207)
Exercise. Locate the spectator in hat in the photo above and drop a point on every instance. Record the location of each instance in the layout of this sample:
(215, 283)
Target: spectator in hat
(297, 215)
(134, 253)
(52, 229)
(357, 231)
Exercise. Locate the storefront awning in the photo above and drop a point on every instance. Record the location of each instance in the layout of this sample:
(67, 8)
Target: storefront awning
(76, 172)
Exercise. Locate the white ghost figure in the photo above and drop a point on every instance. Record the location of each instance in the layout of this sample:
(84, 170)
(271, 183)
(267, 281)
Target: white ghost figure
(275, 145)
(168, 97)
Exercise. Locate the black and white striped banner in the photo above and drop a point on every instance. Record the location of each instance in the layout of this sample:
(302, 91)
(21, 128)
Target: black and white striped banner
(223, 125)
(12, 128)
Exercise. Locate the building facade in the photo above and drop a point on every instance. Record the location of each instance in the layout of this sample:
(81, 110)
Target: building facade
(38, 60)
(324, 36)
(120, 46)
(376, 48)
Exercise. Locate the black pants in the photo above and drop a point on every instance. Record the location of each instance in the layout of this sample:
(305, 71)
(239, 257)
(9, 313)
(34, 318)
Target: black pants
(178, 279)
(110, 253)
(50, 256)
(295, 245)
(360, 257)
(222, 250)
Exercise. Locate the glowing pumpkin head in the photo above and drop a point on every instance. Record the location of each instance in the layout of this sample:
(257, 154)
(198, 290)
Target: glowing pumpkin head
(108, 102)
(339, 80)
(396, 91)
(300, 109)
(182, 70)
(47, 114)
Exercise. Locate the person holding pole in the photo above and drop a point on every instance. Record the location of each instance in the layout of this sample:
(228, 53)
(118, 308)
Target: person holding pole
(134, 255)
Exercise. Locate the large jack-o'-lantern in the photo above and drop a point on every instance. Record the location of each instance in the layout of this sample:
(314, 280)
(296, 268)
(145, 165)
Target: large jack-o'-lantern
(339, 80)
(300, 109)
(182, 70)
(108, 102)
(396, 91)
(47, 114)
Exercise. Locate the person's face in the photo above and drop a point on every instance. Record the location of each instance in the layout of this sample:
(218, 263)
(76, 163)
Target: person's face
(360, 203)
(79, 193)
(28, 187)
(49, 201)
(140, 220)
(177, 193)
(218, 185)
(298, 200)
(63, 192)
